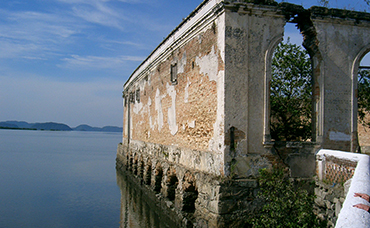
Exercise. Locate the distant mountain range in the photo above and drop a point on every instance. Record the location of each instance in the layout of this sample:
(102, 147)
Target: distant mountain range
(51, 126)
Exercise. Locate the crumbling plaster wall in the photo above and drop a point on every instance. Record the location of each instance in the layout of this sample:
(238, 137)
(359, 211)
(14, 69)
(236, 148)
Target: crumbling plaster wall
(187, 114)
(220, 102)
(342, 43)
(251, 36)
(213, 121)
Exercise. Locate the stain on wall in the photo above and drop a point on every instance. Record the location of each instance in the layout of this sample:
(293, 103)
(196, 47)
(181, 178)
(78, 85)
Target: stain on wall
(184, 113)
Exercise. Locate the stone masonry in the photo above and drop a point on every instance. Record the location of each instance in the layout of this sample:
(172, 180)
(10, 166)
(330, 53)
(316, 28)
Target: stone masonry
(196, 111)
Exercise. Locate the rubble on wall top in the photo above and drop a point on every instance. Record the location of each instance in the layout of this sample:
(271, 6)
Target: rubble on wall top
(258, 2)
(289, 7)
(315, 11)
(338, 13)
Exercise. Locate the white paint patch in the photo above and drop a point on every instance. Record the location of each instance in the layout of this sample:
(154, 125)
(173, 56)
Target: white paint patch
(186, 97)
(221, 36)
(158, 108)
(191, 124)
(339, 136)
(209, 65)
(125, 121)
(149, 102)
(137, 107)
(151, 124)
(217, 142)
(172, 110)
(142, 84)
(181, 64)
(150, 78)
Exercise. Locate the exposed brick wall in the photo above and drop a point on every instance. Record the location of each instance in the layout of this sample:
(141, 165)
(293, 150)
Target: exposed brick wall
(195, 99)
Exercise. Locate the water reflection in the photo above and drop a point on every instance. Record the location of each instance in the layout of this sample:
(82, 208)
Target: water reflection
(137, 208)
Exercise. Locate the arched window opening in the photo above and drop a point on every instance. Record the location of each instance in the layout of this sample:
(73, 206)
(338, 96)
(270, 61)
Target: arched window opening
(190, 193)
(148, 173)
(172, 182)
(131, 164)
(141, 168)
(128, 162)
(291, 90)
(158, 178)
(363, 103)
(135, 165)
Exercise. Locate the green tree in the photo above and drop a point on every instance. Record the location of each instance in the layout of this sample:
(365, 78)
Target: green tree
(286, 205)
(363, 87)
(291, 93)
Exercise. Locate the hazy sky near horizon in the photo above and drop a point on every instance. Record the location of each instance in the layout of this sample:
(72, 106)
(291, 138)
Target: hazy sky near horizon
(67, 60)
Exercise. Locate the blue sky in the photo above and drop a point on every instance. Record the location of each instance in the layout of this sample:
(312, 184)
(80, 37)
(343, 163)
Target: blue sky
(66, 60)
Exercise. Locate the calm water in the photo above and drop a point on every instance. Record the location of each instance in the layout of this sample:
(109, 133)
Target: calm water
(58, 179)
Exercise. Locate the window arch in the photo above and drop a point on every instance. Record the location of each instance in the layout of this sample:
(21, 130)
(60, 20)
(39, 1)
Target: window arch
(288, 92)
(360, 93)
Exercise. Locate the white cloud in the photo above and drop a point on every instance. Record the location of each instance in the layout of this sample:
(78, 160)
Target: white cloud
(106, 13)
(100, 15)
(98, 12)
(98, 62)
(34, 35)
(47, 32)
(129, 43)
(36, 27)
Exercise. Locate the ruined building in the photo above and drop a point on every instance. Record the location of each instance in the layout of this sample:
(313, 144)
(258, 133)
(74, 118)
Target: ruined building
(196, 111)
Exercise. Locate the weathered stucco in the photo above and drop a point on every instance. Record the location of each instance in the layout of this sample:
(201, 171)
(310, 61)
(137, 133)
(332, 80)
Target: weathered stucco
(342, 44)
(188, 113)
(248, 35)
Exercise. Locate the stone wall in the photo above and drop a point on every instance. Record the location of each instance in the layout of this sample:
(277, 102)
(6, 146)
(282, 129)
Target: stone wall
(140, 207)
(197, 198)
(329, 200)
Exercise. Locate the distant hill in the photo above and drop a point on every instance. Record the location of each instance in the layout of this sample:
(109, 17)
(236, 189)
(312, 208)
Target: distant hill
(112, 129)
(52, 126)
(84, 127)
(16, 124)
(8, 125)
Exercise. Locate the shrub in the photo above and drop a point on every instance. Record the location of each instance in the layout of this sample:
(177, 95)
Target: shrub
(286, 205)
